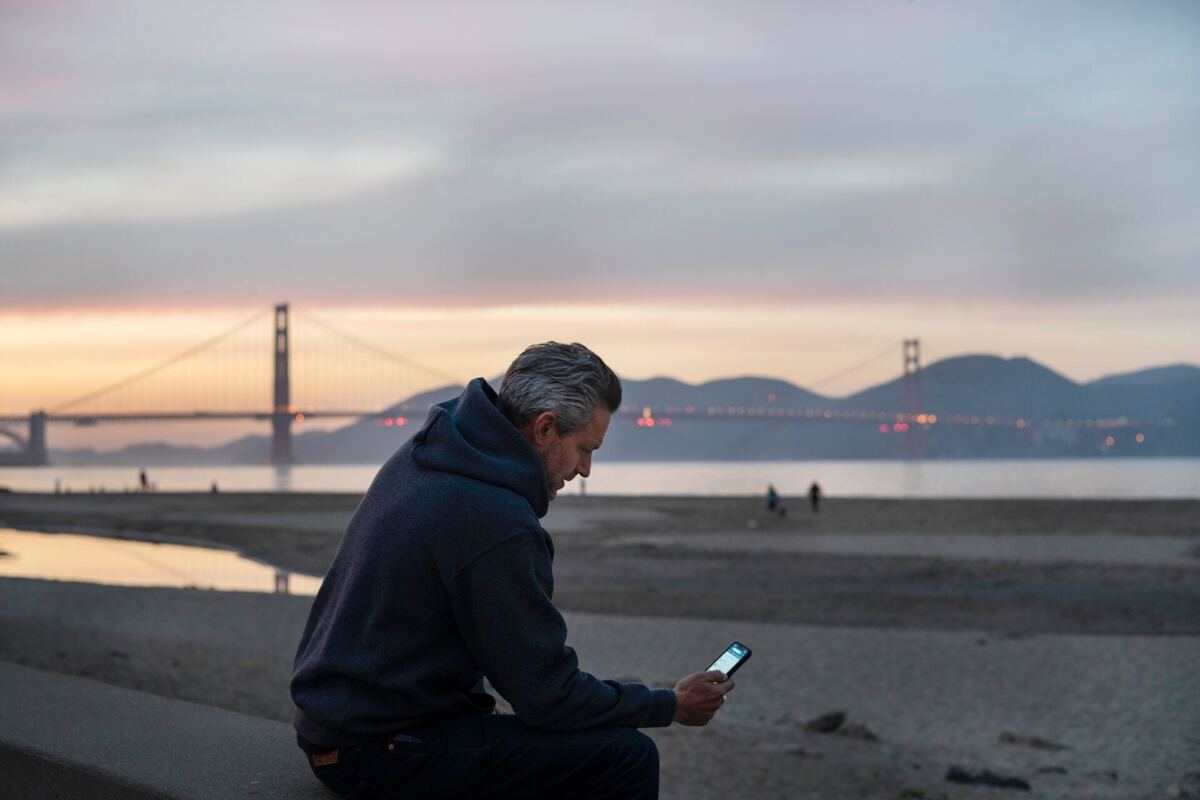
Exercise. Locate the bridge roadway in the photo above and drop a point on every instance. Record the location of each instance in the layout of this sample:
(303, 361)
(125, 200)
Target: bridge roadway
(658, 414)
(261, 416)
(33, 450)
(648, 415)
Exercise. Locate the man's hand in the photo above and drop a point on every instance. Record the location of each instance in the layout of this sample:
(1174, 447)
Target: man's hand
(699, 695)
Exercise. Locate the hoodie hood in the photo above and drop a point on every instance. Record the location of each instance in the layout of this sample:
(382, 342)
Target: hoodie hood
(469, 436)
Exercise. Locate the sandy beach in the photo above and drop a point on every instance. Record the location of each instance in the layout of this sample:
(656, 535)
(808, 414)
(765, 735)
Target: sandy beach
(1057, 642)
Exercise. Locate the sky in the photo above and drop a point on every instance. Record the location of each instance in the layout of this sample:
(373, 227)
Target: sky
(693, 189)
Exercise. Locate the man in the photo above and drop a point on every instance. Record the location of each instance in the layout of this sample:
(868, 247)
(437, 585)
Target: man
(444, 577)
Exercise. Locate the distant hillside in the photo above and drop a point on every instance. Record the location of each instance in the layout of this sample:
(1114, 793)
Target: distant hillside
(752, 391)
(982, 385)
(1165, 399)
(1158, 377)
(1161, 392)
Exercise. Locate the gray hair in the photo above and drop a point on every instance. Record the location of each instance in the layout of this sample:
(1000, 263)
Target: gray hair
(568, 379)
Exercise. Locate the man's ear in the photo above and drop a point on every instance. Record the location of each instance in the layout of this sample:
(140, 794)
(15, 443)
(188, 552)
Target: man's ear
(545, 427)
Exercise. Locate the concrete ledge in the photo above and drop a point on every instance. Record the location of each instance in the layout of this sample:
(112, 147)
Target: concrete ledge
(66, 737)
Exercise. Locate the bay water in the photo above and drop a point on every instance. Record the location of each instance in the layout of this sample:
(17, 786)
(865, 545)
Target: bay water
(1098, 478)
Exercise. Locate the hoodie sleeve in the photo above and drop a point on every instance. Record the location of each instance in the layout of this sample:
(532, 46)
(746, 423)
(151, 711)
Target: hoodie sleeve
(502, 604)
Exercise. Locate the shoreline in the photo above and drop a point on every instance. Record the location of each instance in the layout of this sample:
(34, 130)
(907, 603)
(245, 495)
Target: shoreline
(1090, 479)
(943, 660)
(1031, 567)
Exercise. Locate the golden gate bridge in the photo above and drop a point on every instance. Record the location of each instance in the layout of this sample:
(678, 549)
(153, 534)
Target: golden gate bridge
(212, 381)
(348, 377)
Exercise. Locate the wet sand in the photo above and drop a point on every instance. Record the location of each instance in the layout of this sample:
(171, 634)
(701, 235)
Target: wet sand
(902, 613)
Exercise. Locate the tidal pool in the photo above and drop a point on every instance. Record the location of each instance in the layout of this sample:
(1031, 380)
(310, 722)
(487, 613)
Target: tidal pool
(128, 562)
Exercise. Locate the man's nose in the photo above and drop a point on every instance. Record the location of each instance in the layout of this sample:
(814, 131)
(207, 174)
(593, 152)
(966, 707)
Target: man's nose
(584, 467)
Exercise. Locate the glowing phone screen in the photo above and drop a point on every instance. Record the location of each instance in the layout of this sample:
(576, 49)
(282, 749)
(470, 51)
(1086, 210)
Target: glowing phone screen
(729, 658)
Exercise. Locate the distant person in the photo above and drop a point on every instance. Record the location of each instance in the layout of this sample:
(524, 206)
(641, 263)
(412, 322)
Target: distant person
(144, 480)
(773, 504)
(214, 489)
(444, 577)
(814, 497)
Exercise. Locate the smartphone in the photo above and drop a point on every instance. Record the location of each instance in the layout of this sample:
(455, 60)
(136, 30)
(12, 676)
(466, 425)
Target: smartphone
(734, 656)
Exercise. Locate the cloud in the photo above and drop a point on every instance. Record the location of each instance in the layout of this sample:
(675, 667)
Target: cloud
(190, 185)
(913, 150)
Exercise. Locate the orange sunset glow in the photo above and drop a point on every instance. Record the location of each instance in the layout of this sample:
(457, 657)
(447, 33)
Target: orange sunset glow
(53, 358)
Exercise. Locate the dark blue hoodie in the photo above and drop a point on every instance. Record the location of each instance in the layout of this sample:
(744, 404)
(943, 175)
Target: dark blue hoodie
(442, 577)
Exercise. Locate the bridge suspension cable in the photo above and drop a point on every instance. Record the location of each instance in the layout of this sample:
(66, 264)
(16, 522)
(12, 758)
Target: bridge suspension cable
(887, 352)
(157, 368)
(375, 349)
(332, 370)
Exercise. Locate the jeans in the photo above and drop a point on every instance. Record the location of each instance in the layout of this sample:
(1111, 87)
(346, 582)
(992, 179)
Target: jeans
(490, 757)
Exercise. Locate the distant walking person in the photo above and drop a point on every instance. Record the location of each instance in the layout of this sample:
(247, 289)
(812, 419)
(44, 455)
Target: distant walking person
(773, 504)
(147, 486)
(814, 497)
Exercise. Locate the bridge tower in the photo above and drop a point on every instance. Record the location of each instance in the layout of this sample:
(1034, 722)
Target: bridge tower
(35, 450)
(912, 396)
(281, 414)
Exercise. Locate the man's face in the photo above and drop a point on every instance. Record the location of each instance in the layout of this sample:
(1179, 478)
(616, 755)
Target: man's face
(564, 457)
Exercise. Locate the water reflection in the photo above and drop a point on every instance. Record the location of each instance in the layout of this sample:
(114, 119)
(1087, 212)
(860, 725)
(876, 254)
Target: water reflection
(122, 562)
(283, 478)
